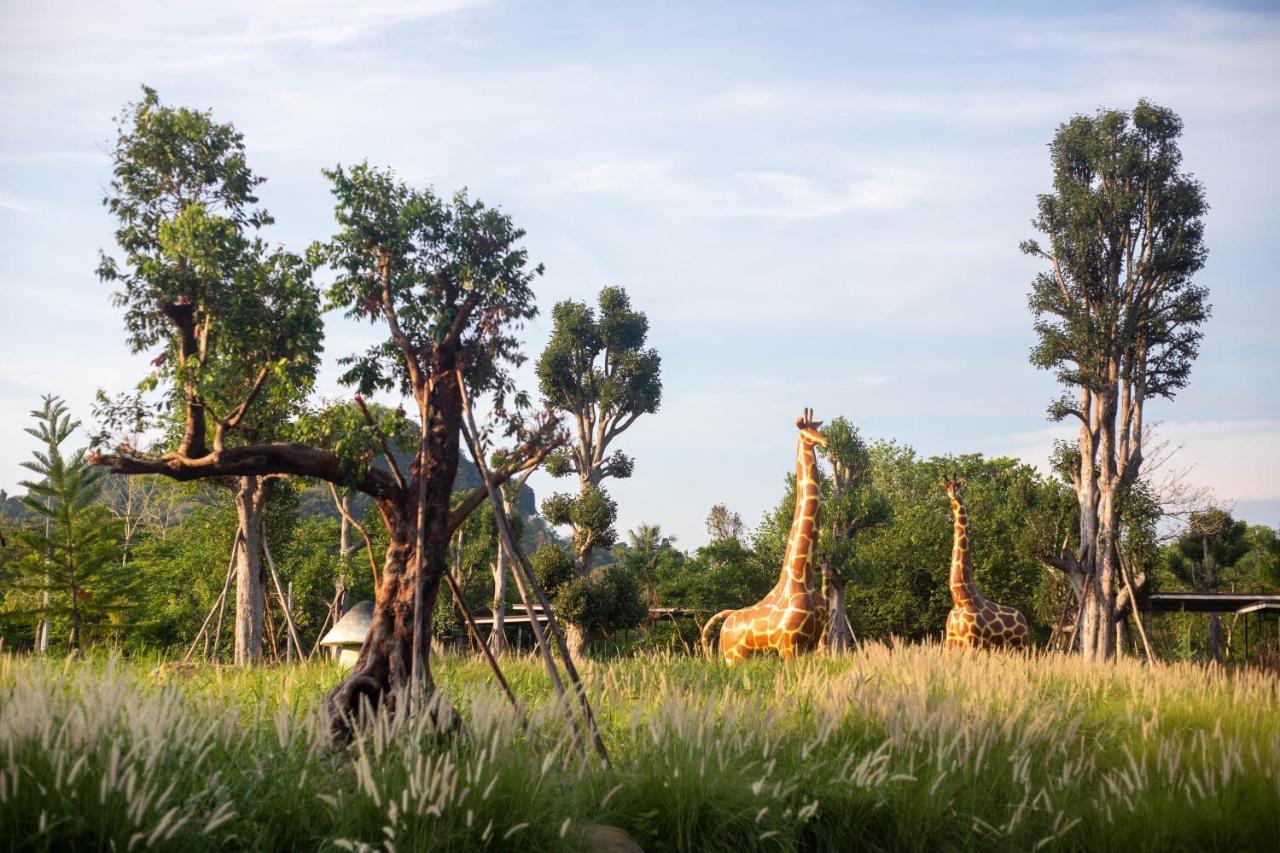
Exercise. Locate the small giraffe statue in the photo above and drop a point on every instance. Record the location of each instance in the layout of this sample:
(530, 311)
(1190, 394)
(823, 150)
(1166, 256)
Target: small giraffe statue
(793, 616)
(975, 622)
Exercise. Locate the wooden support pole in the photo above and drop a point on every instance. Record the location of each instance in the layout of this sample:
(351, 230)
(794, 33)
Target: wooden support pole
(217, 605)
(1133, 610)
(284, 604)
(475, 633)
(415, 664)
(526, 579)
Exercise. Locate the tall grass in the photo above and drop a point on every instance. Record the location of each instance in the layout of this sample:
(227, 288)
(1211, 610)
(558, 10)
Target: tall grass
(894, 748)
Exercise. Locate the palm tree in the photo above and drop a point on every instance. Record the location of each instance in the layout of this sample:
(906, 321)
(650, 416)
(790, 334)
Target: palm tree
(647, 541)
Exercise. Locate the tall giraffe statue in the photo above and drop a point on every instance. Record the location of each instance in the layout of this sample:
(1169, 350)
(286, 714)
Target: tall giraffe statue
(975, 622)
(793, 616)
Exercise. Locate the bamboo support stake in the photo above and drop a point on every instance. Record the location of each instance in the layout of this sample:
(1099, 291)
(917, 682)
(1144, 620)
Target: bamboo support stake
(415, 665)
(284, 604)
(475, 633)
(1133, 610)
(520, 565)
(217, 605)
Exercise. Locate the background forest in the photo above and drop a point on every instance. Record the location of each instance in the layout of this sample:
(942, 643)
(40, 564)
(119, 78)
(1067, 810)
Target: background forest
(160, 552)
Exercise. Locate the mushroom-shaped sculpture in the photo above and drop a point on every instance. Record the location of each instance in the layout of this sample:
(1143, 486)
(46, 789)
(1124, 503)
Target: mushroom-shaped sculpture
(348, 635)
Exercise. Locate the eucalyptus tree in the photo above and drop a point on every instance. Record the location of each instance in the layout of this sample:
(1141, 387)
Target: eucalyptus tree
(72, 554)
(1117, 316)
(236, 322)
(449, 283)
(597, 370)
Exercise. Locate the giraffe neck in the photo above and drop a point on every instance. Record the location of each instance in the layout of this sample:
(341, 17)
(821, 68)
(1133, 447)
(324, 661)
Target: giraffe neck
(963, 591)
(797, 565)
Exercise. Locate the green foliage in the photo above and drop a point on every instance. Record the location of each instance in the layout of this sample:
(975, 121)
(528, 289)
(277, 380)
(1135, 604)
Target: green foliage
(597, 370)
(1211, 546)
(720, 575)
(553, 568)
(447, 270)
(70, 565)
(599, 362)
(591, 514)
(850, 502)
(605, 601)
(237, 321)
(341, 428)
(1125, 233)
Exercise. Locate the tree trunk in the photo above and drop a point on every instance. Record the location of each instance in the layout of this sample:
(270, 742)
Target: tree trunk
(838, 637)
(1215, 622)
(498, 634)
(1097, 567)
(44, 626)
(250, 495)
(344, 562)
(576, 639)
(384, 667)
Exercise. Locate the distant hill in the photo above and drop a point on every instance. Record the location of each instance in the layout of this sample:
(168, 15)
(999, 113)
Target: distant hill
(316, 501)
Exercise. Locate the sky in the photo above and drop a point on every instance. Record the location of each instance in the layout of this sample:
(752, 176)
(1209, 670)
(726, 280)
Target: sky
(815, 204)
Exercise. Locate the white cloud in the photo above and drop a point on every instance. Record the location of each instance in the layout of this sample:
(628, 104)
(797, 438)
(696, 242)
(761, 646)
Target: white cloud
(771, 195)
(17, 205)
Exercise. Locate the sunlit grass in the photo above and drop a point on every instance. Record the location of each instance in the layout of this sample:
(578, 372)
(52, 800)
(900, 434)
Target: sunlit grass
(901, 748)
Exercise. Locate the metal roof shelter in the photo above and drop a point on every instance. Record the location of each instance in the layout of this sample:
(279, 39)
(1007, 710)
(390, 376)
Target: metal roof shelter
(1209, 602)
(347, 637)
(1239, 603)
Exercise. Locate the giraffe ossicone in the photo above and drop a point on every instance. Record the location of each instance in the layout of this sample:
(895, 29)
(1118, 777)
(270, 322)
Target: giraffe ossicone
(975, 622)
(793, 617)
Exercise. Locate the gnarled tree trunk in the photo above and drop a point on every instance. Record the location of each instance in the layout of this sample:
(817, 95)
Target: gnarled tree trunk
(386, 660)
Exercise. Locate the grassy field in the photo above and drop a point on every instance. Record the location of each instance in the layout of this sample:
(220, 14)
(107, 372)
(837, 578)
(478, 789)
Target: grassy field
(907, 748)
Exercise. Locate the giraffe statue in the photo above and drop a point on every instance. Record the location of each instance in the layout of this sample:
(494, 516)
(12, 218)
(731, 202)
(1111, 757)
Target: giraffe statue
(793, 616)
(975, 622)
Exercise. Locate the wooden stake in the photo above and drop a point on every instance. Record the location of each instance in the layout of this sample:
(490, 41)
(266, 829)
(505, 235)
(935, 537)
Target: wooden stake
(475, 633)
(217, 605)
(284, 604)
(520, 566)
(1133, 610)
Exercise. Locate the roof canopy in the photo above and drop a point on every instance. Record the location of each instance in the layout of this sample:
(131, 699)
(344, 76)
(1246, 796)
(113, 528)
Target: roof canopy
(1210, 602)
(352, 627)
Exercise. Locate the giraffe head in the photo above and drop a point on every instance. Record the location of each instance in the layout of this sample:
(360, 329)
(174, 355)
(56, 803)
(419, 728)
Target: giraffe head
(809, 429)
(952, 485)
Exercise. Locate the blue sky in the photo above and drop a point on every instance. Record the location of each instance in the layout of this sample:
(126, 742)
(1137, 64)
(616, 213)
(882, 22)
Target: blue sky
(816, 204)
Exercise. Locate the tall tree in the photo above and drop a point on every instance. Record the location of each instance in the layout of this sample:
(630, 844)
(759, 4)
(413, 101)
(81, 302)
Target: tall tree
(72, 556)
(1117, 317)
(597, 370)
(448, 281)
(237, 323)
(850, 505)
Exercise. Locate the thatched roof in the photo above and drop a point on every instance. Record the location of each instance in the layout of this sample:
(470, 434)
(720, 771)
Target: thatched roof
(352, 627)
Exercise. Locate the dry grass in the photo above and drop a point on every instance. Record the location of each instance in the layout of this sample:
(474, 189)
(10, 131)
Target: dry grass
(898, 748)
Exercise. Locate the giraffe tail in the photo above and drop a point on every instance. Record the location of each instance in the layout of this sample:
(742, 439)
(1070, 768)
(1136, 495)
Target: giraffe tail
(706, 650)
